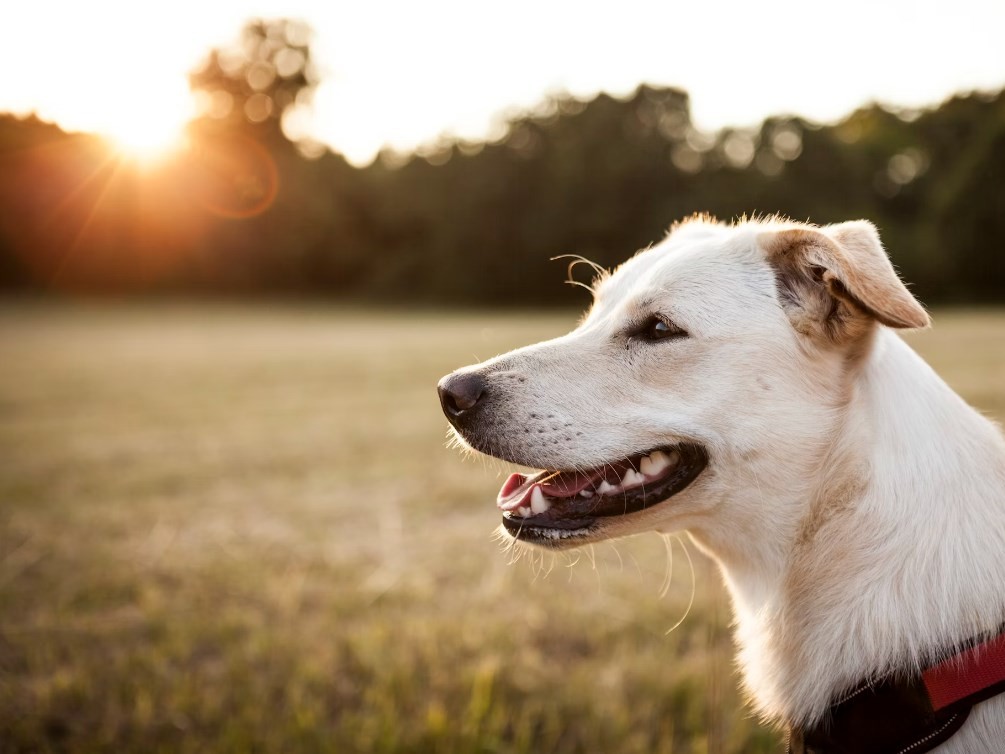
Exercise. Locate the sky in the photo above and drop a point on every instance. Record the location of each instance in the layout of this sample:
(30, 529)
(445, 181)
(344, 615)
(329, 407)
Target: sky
(400, 74)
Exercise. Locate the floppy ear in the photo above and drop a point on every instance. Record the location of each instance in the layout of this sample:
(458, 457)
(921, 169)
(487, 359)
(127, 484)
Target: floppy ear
(835, 281)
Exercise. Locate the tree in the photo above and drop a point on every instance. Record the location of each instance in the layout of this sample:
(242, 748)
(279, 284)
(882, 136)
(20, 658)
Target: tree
(260, 80)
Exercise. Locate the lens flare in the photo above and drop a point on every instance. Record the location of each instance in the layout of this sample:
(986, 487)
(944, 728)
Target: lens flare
(146, 137)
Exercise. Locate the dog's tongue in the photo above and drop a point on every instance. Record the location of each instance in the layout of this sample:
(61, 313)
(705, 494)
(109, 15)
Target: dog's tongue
(519, 487)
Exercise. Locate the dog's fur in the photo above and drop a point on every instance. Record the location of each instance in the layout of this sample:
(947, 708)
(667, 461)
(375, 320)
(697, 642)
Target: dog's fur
(855, 503)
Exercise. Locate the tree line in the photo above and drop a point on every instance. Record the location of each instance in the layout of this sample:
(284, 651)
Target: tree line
(246, 210)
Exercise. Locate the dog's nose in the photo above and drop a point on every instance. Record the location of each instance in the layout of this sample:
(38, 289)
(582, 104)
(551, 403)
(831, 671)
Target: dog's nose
(460, 392)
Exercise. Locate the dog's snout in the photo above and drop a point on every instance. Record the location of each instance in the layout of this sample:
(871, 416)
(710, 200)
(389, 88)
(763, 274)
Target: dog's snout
(460, 393)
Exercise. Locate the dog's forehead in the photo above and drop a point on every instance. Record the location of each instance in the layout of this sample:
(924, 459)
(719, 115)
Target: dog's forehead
(700, 262)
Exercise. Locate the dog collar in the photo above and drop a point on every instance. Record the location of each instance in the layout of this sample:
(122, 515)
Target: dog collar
(908, 715)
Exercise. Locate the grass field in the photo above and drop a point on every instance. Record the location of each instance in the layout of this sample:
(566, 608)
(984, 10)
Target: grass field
(235, 529)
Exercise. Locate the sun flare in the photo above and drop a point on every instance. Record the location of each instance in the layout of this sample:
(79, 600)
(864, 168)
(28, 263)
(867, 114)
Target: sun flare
(146, 138)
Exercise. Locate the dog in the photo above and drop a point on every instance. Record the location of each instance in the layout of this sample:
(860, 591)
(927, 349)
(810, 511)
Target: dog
(745, 383)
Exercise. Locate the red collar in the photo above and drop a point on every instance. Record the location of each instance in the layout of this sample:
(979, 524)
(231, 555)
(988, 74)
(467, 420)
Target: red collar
(909, 715)
(969, 673)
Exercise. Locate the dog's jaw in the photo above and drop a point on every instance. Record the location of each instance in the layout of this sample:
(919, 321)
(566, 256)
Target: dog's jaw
(568, 509)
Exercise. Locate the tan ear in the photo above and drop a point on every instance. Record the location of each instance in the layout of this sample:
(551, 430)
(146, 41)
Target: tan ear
(833, 278)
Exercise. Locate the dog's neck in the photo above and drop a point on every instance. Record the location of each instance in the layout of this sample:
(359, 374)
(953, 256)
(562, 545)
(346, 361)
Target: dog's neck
(892, 556)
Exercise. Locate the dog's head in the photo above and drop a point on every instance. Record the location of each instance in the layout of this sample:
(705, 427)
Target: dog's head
(704, 382)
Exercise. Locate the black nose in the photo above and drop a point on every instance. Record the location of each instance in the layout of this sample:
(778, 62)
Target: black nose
(460, 393)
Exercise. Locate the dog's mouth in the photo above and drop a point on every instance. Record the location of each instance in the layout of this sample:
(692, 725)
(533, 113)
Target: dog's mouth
(553, 506)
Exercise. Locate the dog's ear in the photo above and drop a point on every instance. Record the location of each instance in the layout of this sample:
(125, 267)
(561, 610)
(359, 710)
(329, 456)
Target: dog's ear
(835, 281)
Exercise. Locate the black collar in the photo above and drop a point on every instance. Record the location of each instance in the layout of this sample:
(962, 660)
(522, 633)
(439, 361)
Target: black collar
(908, 715)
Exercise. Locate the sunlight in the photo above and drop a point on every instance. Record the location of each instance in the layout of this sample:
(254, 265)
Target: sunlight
(104, 49)
(146, 135)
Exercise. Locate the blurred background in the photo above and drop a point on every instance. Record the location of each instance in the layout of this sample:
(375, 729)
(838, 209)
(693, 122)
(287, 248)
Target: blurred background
(239, 243)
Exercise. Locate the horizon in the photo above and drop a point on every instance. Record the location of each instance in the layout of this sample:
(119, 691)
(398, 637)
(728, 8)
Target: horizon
(445, 140)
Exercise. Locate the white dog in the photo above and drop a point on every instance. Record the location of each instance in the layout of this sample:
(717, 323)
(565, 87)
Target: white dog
(745, 383)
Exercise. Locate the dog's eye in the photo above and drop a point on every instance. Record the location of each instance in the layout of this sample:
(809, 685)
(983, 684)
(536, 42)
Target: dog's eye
(658, 328)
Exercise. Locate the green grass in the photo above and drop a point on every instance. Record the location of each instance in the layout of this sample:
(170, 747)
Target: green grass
(235, 529)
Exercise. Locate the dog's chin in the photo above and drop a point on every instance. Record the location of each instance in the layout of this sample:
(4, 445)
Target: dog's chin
(562, 509)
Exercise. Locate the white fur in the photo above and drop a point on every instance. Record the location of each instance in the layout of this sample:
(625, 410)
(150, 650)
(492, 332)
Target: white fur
(855, 503)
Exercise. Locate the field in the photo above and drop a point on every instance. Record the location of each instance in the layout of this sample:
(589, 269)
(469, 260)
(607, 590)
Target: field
(236, 529)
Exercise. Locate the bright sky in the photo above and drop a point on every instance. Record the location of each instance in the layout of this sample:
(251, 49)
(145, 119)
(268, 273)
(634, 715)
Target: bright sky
(400, 73)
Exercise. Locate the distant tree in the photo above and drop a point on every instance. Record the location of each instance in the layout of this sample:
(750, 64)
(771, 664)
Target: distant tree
(296, 224)
(266, 75)
(475, 223)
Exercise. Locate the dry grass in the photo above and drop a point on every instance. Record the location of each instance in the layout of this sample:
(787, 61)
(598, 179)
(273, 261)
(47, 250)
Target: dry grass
(237, 529)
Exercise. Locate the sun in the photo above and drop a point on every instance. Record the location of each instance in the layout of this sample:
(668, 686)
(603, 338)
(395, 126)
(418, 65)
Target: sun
(146, 143)
(146, 135)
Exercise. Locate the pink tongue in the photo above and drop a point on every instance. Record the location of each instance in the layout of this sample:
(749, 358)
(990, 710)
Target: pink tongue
(519, 487)
(514, 491)
(513, 483)
(567, 485)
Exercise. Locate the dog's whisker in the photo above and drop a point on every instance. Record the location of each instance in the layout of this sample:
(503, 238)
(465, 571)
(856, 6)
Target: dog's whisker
(668, 571)
(694, 586)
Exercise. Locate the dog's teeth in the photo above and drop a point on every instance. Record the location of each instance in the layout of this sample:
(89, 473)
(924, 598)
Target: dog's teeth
(673, 458)
(585, 493)
(524, 511)
(606, 488)
(632, 478)
(538, 503)
(654, 463)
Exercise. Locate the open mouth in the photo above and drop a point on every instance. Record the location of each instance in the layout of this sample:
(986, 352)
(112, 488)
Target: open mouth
(560, 505)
